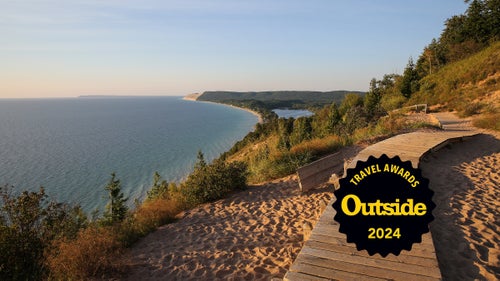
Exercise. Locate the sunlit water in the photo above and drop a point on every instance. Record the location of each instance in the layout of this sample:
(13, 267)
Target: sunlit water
(71, 146)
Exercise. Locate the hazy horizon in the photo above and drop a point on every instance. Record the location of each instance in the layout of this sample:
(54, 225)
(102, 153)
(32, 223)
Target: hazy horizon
(54, 48)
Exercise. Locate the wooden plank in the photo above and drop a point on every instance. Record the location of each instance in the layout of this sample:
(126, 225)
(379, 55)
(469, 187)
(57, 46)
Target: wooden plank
(329, 224)
(424, 250)
(322, 176)
(393, 151)
(407, 146)
(292, 276)
(333, 232)
(343, 248)
(363, 269)
(321, 164)
(335, 274)
(318, 172)
(367, 260)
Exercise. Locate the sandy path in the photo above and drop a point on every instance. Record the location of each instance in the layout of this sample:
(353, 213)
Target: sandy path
(466, 230)
(252, 235)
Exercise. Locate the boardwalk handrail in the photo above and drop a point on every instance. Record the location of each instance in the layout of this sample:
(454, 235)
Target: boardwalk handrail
(318, 172)
(416, 106)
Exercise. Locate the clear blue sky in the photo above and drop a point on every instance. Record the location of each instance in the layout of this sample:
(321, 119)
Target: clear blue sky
(52, 48)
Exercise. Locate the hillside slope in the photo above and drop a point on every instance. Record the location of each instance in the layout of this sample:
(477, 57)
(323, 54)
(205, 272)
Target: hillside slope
(277, 99)
(460, 84)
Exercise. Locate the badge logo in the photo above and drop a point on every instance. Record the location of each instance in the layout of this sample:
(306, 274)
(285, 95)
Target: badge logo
(384, 205)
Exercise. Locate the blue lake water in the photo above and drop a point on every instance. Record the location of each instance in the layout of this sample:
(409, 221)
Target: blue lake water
(292, 113)
(71, 146)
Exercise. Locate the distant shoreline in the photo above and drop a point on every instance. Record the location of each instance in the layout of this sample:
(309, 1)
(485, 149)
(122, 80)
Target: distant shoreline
(194, 97)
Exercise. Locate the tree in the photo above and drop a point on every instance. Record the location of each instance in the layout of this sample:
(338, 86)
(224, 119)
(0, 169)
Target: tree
(432, 58)
(349, 101)
(410, 79)
(476, 22)
(159, 188)
(116, 209)
(334, 118)
(353, 119)
(469, 33)
(200, 161)
(285, 128)
(492, 13)
(302, 130)
(372, 98)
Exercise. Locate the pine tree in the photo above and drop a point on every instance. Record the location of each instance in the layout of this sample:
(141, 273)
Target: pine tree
(302, 130)
(333, 118)
(410, 80)
(200, 161)
(116, 209)
(285, 128)
(372, 98)
(159, 188)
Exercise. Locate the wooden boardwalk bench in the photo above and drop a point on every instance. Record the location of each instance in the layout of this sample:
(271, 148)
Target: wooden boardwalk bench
(320, 171)
(326, 255)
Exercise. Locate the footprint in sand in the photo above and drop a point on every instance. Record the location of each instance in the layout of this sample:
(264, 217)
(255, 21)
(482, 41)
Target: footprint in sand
(483, 252)
(261, 270)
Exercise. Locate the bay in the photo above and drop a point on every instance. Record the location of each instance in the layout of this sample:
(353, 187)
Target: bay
(71, 146)
(292, 113)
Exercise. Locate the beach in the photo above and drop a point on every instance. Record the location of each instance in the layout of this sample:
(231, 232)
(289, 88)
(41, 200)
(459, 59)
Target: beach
(251, 235)
(256, 234)
(194, 97)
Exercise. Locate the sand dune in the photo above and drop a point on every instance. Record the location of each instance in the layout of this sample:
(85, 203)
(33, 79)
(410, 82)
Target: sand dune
(252, 235)
(256, 234)
(466, 230)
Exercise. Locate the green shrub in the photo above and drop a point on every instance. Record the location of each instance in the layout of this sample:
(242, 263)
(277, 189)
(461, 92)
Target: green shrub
(392, 101)
(211, 182)
(288, 163)
(159, 190)
(470, 109)
(28, 225)
(488, 121)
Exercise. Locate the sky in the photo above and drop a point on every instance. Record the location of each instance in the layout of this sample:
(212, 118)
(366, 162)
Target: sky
(67, 48)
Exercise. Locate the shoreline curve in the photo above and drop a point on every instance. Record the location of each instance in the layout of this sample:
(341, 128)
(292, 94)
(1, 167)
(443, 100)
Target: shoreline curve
(194, 97)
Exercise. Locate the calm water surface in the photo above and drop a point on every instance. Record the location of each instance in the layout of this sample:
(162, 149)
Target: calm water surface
(295, 113)
(70, 146)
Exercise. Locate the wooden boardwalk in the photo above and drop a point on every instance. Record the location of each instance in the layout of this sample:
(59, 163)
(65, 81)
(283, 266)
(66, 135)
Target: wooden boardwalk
(320, 171)
(326, 255)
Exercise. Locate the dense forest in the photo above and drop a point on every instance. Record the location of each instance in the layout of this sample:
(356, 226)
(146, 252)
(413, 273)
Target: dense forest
(265, 102)
(279, 99)
(41, 239)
